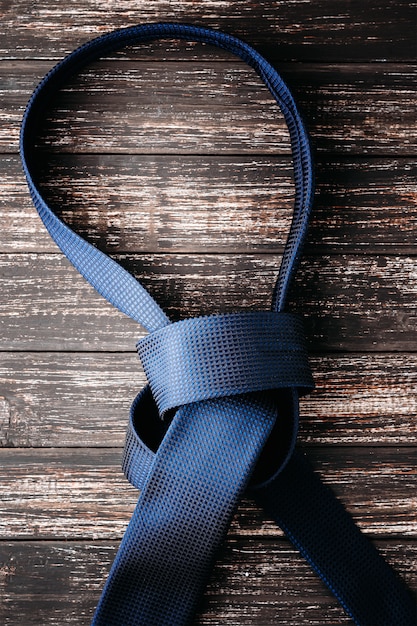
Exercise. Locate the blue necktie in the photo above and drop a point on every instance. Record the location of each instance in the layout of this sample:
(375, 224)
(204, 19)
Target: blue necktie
(220, 414)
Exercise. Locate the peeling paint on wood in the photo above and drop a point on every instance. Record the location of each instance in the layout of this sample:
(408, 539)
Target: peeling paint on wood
(349, 302)
(314, 30)
(81, 493)
(194, 107)
(177, 162)
(256, 582)
(82, 399)
(132, 203)
(138, 107)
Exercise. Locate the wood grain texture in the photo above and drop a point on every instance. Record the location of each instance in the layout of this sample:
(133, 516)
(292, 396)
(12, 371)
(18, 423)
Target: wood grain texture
(310, 30)
(138, 203)
(195, 107)
(174, 159)
(81, 399)
(257, 581)
(349, 302)
(81, 493)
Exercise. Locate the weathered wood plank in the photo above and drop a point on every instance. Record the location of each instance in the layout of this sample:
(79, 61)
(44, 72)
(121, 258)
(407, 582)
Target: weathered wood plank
(83, 399)
(212, 204)
(152, 107)
(43, 311)
(155, 203)
(254, 582)
(353, 30)
(195, 107)
(82, 494)
(261, 573)
(141, 205)
(350, 302)
(354, 211)
(360, 398)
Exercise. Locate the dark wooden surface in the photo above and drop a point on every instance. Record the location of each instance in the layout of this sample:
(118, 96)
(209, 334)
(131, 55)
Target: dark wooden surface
(175, 160)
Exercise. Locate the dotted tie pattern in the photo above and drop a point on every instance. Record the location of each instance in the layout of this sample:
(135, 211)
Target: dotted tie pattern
(220, 413)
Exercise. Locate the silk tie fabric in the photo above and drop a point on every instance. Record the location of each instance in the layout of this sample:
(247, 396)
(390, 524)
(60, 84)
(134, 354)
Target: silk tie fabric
(220, 414)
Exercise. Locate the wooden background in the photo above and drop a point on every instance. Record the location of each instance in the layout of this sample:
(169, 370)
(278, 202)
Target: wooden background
(175, 161)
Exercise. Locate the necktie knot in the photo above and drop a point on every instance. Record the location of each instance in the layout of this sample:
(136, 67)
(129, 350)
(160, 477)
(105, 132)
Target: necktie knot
(224, 355)
(217, 372)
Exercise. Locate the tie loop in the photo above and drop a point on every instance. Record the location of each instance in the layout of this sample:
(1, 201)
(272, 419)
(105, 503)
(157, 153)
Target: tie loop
(111, 280)
(191, 486)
